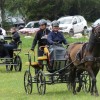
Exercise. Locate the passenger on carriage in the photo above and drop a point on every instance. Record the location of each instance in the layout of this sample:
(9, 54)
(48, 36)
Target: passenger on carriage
(13, 44)
(41, 37)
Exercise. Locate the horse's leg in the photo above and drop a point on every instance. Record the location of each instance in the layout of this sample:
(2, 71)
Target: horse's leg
(72, 79)
(80, 80)
(95, 88)
(90, 71)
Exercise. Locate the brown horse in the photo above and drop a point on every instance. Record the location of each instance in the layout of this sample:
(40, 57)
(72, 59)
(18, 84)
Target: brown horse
(85, 56)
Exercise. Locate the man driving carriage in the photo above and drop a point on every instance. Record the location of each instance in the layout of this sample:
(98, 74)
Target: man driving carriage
(56, 37)
(7, 55)
(13, 44)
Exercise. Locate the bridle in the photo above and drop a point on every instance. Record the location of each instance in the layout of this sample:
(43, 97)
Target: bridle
(96, 31)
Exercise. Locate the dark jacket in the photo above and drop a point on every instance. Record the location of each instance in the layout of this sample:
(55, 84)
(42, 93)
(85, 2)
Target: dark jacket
(38, 38)
(56, 37)
(15, 38)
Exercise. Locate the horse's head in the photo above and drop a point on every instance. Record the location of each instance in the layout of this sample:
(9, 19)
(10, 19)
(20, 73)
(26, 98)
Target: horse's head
(96, 31)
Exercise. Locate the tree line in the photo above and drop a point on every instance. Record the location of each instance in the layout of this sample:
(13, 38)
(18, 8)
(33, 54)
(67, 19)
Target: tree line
(51, 9)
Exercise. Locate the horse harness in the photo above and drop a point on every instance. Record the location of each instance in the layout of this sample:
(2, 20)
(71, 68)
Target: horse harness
(82, 57)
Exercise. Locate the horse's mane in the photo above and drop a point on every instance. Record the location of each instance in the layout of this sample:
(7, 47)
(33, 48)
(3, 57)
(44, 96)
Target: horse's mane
(72, 45)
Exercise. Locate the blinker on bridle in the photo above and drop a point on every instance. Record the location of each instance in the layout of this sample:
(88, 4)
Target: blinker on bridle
(97, 31)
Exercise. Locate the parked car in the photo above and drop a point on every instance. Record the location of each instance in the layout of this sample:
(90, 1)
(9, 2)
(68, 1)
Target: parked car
(94, 24)
(14, 21)
(72, 24)
(49, 24)
(33, 27)
(30, 27)
(97, 22)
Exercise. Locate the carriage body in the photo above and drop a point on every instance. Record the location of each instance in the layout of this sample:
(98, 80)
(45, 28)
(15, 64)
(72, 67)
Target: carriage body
(55, 70)
(57, 57)
(15, 60)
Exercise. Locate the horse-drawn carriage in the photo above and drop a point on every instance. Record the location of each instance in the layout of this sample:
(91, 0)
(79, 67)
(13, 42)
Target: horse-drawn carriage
(15, 60)
(55, 68)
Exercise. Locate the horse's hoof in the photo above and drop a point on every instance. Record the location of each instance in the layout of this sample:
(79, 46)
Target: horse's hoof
(92, 93)
(78, 89)
(96, 94)
(74, 93)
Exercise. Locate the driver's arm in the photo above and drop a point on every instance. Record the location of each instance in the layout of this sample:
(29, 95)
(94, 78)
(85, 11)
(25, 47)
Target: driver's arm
(49, 38)
(64, 40)
(34, 41)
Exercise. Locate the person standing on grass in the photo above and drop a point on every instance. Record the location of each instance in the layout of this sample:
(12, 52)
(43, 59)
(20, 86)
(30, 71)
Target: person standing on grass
(41, 37)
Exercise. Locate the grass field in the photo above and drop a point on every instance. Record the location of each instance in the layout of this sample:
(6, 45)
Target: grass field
(12, 87)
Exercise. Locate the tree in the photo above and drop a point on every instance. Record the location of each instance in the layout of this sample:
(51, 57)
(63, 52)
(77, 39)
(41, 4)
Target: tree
(2, 6)
(51, 9)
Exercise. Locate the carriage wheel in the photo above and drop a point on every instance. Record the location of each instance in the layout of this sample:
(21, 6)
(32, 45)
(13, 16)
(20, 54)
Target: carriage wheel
(86, 85)
(28, 82)
(18, 63)
(41, 83)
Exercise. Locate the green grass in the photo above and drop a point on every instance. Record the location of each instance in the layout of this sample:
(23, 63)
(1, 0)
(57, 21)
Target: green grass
(12, 83)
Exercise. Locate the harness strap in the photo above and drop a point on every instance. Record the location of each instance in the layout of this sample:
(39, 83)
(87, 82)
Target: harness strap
(80, 53)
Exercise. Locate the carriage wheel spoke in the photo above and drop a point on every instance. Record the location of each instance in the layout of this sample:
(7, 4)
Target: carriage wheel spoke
(41, 85)
(28, 82)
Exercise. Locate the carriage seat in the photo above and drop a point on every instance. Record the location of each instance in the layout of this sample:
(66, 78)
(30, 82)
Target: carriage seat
(46, 54)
